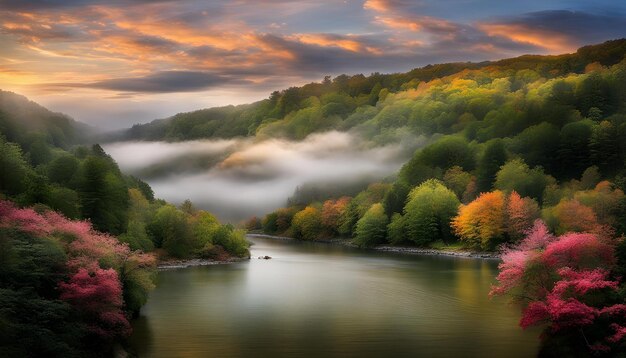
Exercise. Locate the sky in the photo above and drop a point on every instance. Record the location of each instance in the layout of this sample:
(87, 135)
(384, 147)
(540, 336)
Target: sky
(115, 63)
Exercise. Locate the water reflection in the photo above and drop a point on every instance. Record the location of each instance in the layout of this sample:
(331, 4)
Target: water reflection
(321, 300)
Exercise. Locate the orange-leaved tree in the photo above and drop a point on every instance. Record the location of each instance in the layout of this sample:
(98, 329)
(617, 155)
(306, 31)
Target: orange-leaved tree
(481, 223)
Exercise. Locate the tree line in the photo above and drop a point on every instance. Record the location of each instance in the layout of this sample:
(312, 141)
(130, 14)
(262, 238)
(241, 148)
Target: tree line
(79, 240)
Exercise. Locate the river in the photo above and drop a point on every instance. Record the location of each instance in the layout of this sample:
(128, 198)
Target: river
(320, 300)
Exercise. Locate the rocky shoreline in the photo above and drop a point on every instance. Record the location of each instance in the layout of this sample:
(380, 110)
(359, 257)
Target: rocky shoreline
(400, 249)
(178, 264)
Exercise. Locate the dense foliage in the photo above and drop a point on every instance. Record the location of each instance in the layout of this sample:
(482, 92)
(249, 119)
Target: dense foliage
(508, 142)
(484, 100)
(513, 141)
(571, 285)
(65, 288)
(68, 287)
(43, 165)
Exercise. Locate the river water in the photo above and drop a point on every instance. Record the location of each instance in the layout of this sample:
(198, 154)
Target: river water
(320, 300)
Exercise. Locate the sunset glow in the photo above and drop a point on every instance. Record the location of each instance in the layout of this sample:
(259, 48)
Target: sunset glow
(133, 53)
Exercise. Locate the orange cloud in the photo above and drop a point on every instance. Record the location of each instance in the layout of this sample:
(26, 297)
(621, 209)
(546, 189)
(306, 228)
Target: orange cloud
(549, 40)
(325, 40)
(418, 23)
(377, 5)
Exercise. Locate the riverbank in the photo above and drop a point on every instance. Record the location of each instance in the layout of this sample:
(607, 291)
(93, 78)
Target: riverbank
(408, 250)
(178, 264)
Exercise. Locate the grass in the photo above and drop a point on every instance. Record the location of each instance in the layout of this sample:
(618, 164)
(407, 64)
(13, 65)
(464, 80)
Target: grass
(440, 245)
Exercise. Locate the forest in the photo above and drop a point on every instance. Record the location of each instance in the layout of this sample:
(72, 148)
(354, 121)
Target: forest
(80, 240)
(524, 156)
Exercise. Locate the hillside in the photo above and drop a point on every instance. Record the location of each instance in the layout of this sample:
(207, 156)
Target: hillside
(360, 102)
(23, 121)
(509, 142)
(79, 239)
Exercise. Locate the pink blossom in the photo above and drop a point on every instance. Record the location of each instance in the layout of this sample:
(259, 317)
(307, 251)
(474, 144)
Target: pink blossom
(99, 297)
(581, 282)
(26, 219)
(536, 312)
(578, 251)
(537, 237)
(620, 332)
(570, 312)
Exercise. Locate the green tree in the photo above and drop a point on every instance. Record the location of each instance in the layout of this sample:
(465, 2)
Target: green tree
(64, 200)
(448, 152)
(371, 229)
(170, 230)
(396, 230)
(38, 150)
(604, 148)
(136, 236)
(515, 175)
(14, 169)
(490, 162)
(63, 169)
(395, 199)
(233, 241)
(428, 212)
(104, 195)
(538, 145)
(574, 154)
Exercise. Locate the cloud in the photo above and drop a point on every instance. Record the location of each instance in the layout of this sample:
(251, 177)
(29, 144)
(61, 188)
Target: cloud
(557, 30)
(161, 82)
(64, 4)
(142, 48)
(350, 43)
(383, 5)
(230, 185)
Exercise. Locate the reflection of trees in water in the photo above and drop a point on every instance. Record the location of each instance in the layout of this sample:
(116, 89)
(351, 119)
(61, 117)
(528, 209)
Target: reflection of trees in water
(315, 299)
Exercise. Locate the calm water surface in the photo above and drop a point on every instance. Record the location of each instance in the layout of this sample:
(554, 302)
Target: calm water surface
(318, 300)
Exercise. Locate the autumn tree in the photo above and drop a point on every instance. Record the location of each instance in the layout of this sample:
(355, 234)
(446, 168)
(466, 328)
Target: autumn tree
(569, 215)
(284, 217)
(307, 224)
(457, 180)
(332, 210)
(521, 213)
(253, 223)
(482, 223)
(604, 199)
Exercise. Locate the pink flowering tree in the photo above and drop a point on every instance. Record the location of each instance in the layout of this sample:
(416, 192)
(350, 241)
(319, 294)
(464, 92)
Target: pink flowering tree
(566, 285)
(98, 298)
(106, 278)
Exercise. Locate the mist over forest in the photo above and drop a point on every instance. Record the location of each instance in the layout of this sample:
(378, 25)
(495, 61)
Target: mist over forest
(238, 178)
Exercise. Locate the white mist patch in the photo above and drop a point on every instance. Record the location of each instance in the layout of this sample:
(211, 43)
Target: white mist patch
(253, 178)
(132, 156)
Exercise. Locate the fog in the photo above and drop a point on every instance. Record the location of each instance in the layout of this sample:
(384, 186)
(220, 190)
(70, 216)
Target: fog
(238, 178)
